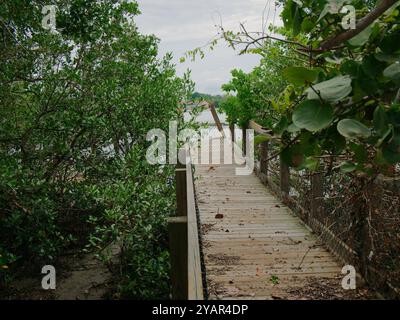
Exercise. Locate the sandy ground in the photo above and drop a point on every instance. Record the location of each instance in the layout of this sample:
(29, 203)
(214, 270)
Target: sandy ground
(82, 277)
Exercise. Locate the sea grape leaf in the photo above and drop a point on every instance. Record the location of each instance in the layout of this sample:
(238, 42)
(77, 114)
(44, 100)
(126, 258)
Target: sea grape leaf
(352, 129)
(313, 115)
(332, 90)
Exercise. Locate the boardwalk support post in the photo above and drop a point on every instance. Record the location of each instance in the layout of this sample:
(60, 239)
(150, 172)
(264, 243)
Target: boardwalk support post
(317, 194)
(178, 242)
(244, 140)
(181, 187)
(285, 179)
(264, 161)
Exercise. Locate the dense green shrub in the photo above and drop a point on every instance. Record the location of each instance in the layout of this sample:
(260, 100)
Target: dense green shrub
(75, 108)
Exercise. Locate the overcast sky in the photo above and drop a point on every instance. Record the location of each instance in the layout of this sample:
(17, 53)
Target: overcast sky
(183, 25)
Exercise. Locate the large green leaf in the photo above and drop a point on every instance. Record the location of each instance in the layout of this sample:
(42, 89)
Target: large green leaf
(361, 38)
(293, 128)
(372, 67)
(307, 25)
(352, 129)
(381, 122)
(393, 71)
(360, 152)
(291, 16)
(260, 139)
(300, 75)
(347, 167)
(313, 115)
(391, 153)
(334, 142)
(332, 7)
(281, 126)
(351, 67)
(332, 90)
(385, 57)
(297, 19)
(391, 43)
(311, 163)
(293, 156)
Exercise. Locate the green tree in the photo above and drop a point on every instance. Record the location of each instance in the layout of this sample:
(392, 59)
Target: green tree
(343, 93)
(76, 105)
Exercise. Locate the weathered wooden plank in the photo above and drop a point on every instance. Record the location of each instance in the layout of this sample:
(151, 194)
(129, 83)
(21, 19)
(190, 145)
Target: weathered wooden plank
(269, 256)
(195, 282)
(249, 235)
(273, 267)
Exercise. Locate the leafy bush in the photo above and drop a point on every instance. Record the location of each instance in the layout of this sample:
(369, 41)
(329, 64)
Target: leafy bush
(76, 107)
(342, 94)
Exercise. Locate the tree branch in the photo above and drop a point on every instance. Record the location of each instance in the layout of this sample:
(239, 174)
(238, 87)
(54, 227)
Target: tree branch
(361, 26)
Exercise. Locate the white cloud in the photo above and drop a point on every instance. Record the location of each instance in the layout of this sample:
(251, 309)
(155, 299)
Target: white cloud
(183, 25)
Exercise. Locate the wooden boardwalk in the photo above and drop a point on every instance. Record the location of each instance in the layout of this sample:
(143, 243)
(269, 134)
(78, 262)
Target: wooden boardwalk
(253, 245)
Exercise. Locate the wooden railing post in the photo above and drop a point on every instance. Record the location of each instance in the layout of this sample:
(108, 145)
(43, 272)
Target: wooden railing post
(178, 243)
(264, 163)
(264, 157)
(317, 194)
(285, 179)
(244, 140)
(186, 276)
(181, 186)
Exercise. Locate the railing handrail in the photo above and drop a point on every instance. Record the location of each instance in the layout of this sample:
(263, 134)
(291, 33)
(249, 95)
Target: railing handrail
(186, 273)
(195, 282)
(311, 215)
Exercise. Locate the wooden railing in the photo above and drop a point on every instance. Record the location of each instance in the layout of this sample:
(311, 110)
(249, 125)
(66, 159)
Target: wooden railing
(282, 190)
(314, 211)
(186, 274)
(263, 168)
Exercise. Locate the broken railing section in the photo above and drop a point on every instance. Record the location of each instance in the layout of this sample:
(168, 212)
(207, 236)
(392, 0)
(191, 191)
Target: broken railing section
(186, 273)
(216, 118)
